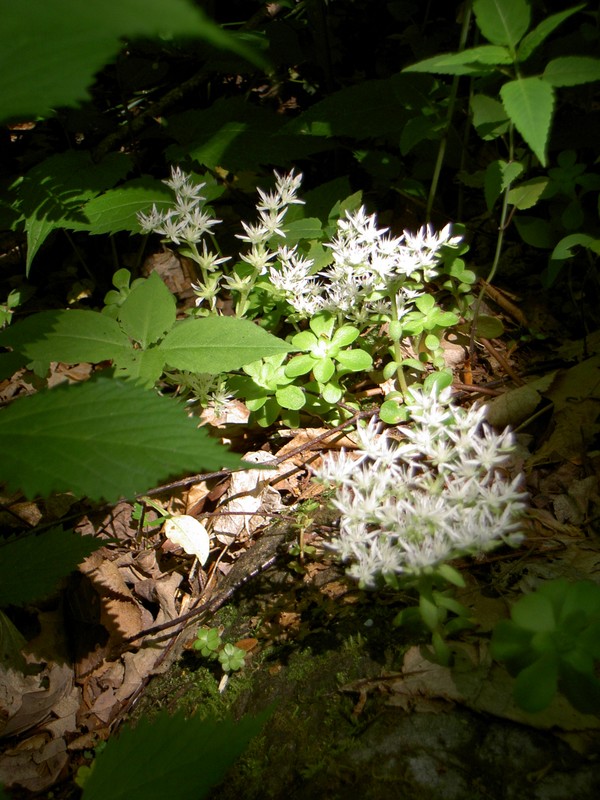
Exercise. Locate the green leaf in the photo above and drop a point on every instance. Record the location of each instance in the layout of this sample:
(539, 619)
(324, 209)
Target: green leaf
(355, 360)
(529, 102)
(512, 644)
(142, 366)
(572, 70)
(50, 52)
(117, 209)
(309, 228)
(535, 613)
(564, 249)
(498, 176)
(299, 365)
(536, 685)
(323, 369)
(392, 412)
(148, 312)
(474, 61)
(169, 756)
(450, 574)
(489, 327)
(101, 439)
(526, 194)
(12, 643)
(540, 33)
(489, 117)
(218, 344)
(379, 108)
(535, 231)
(503, 22)
(430, 613)
(31, 565)
(236, 135)
(291, 397)
(70, 336)
(54, 192)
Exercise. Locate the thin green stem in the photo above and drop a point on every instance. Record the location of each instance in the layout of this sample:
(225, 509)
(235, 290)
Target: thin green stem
(504, 214)
(449, 115)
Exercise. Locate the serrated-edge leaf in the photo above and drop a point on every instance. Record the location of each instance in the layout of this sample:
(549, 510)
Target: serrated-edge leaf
(529, 102)
(51, 51)
(103, 439)
(503, 22)
(526, 194)
(149, 311)
(473, 61)
(218, 344)
(31, 565)
(142, 366)
(117, 209)
(572, 70)
(67, 335)
(540, 33)
(54, 192)
(169, 756)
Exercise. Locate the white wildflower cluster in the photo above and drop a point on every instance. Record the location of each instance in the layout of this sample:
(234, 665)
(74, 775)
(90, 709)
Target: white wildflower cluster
(370, 269)
(185, 222)
(409, 506)
(272, 208)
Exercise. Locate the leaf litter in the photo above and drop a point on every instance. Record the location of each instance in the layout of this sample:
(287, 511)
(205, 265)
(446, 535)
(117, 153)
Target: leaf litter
(74, 693)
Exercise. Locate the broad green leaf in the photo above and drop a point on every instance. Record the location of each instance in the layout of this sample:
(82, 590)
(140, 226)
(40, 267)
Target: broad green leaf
(309, 228)
(535, 613)
(541, 32)
(572, 70)
(564, 249)
(54, 192)
(116, 209)
(148, 312)
(511, 643)
(142, 366)
(474, 61)
(69, 336)
(417, 130)
(50, 51)
(170, 756)
(536, 231)
(236, 135)
(498, 177)
(536, 685)
(323, 369)
(526, 194)
(379, 108)
(32, 564)
(218, 344)
(355, 360)
(291, 397)
(489, 327)
(529, 102)
(489, 117)
(503, 22)
(103, 439)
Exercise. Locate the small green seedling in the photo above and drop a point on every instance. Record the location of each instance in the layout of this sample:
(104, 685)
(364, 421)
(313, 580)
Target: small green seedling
(208, 642)
(232, 658)
(552, 642)
(210, 645)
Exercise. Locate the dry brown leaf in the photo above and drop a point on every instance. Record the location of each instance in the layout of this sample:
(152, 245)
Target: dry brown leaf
(248, 494)
(34, 763)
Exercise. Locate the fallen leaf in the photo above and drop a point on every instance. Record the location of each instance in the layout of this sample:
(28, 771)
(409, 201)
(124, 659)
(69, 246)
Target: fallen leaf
(190, 534)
